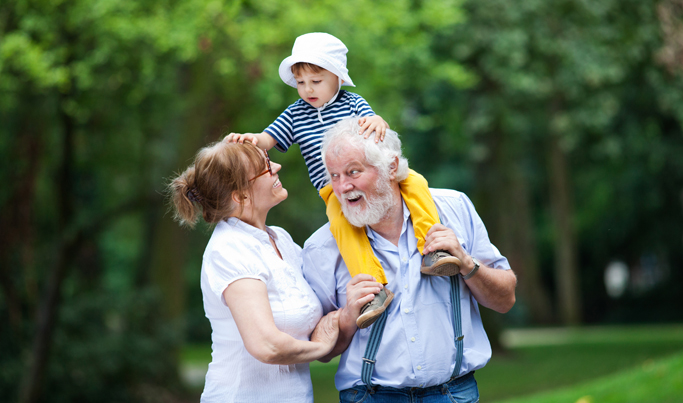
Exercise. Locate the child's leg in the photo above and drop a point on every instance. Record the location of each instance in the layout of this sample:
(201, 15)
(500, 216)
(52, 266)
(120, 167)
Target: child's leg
(418, 198)
(353, 243)
(424, 215)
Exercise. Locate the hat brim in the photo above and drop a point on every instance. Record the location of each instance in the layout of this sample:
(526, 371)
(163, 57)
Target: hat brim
(287, 76)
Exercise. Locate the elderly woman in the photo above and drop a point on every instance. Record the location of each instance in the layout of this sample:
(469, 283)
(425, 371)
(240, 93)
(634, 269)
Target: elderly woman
(265, 319)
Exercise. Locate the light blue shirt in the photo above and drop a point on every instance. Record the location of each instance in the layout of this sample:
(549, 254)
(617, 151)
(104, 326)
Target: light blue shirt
(418, 348)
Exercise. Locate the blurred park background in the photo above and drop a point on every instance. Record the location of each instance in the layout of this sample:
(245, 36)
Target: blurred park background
(561, 119)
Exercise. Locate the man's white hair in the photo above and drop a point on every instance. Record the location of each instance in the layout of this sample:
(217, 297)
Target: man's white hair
(380, 155)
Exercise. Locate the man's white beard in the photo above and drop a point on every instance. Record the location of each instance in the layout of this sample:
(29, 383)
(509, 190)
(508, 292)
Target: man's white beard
(376, 208)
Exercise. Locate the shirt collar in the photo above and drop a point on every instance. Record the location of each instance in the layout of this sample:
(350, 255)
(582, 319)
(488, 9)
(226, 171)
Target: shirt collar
(372, 235)
(263, 236)
(331, 101)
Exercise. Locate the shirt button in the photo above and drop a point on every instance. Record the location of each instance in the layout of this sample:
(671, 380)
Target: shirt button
(412, 339)
(403, 259)
(419, 367)
(405, 286)
(406, 310)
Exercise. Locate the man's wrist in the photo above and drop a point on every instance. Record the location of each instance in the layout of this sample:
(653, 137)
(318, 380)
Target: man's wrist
(347, 323)
(473, 271)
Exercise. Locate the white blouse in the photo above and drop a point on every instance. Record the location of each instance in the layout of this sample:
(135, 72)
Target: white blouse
(235, 251)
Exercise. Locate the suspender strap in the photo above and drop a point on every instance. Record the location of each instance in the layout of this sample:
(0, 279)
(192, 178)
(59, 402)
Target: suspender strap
(378, 329)
(371, 349)
(457, 323)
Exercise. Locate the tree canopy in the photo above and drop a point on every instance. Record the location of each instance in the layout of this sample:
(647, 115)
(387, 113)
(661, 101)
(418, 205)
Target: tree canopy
(562, 120)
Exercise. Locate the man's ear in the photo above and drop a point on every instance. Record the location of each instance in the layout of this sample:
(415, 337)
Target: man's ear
(393, 168)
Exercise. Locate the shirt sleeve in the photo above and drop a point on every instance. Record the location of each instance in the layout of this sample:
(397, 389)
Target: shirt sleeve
(458, 213)
(481, 246)
(282, 130)
(361, 107)
(224, 268)
(320, 260)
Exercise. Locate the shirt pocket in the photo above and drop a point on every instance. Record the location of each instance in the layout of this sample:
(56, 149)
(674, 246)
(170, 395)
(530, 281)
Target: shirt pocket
(434, 290)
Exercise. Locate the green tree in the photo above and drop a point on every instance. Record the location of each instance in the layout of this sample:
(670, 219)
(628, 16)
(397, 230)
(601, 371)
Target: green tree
(104, 100)
(556, 80)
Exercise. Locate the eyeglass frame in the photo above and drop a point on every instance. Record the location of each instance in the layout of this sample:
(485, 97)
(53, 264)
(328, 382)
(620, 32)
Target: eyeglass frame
(268, 168)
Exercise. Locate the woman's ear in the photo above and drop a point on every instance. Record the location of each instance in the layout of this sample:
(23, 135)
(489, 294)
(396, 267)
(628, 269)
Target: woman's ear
(240, 199)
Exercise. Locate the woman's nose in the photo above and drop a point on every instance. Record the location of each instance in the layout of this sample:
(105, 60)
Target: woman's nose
(275, 167)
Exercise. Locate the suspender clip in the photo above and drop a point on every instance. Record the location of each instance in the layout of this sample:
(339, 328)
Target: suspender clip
(459, 338)
(369, 361)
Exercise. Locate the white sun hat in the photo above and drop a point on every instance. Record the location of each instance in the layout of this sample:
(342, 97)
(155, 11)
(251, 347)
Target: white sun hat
(321, 49)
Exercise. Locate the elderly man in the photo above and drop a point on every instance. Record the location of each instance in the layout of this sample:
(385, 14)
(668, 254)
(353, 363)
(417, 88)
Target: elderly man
(430, 340)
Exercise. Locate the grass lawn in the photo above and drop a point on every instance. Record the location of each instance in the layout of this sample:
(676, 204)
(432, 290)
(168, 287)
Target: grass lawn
(582, 365)
(547, 359)
(658, 381)
(322, 376)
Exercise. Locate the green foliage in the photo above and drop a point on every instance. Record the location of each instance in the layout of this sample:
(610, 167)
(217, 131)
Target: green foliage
(101, 101)
(104, 342)
(582, 72)
(105, 99)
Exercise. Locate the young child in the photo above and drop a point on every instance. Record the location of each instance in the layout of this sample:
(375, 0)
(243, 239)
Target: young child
(317, 69)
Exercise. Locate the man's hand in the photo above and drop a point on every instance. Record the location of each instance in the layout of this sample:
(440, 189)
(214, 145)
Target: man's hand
(376, 124)
(492, 288)
(359, 291)
(440, 237)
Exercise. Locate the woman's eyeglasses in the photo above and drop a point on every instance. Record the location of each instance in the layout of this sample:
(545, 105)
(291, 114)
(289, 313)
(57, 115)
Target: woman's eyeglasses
(268, 169)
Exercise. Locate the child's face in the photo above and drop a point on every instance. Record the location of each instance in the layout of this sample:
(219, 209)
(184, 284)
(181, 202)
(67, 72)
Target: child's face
(316, 88)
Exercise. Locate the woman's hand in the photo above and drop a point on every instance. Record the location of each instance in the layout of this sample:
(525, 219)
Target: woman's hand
(327, 331)
(248, 302)
(359, 291)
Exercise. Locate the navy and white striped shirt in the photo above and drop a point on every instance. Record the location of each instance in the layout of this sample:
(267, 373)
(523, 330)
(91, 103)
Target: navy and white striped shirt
(299, 124)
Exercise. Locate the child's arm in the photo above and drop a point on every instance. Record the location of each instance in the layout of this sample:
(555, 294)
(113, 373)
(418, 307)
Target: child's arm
(375, 124)
(263, 140)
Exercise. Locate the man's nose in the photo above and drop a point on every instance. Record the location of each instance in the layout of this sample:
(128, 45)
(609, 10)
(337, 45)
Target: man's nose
(345, 185)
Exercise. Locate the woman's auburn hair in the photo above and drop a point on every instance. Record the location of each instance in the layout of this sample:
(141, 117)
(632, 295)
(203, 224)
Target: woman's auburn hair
(219, 170)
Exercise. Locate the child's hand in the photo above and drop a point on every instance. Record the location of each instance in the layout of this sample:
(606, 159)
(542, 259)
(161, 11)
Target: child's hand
(240, 137)
(375, 124)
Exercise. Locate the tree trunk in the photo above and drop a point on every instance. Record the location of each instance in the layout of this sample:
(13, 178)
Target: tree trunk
(506, 203)
(66, 248)
(17, 269)
(566, 270)
(519, 243)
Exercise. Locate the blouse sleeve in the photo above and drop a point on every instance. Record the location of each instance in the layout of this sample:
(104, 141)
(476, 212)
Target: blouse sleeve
(224, 266)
